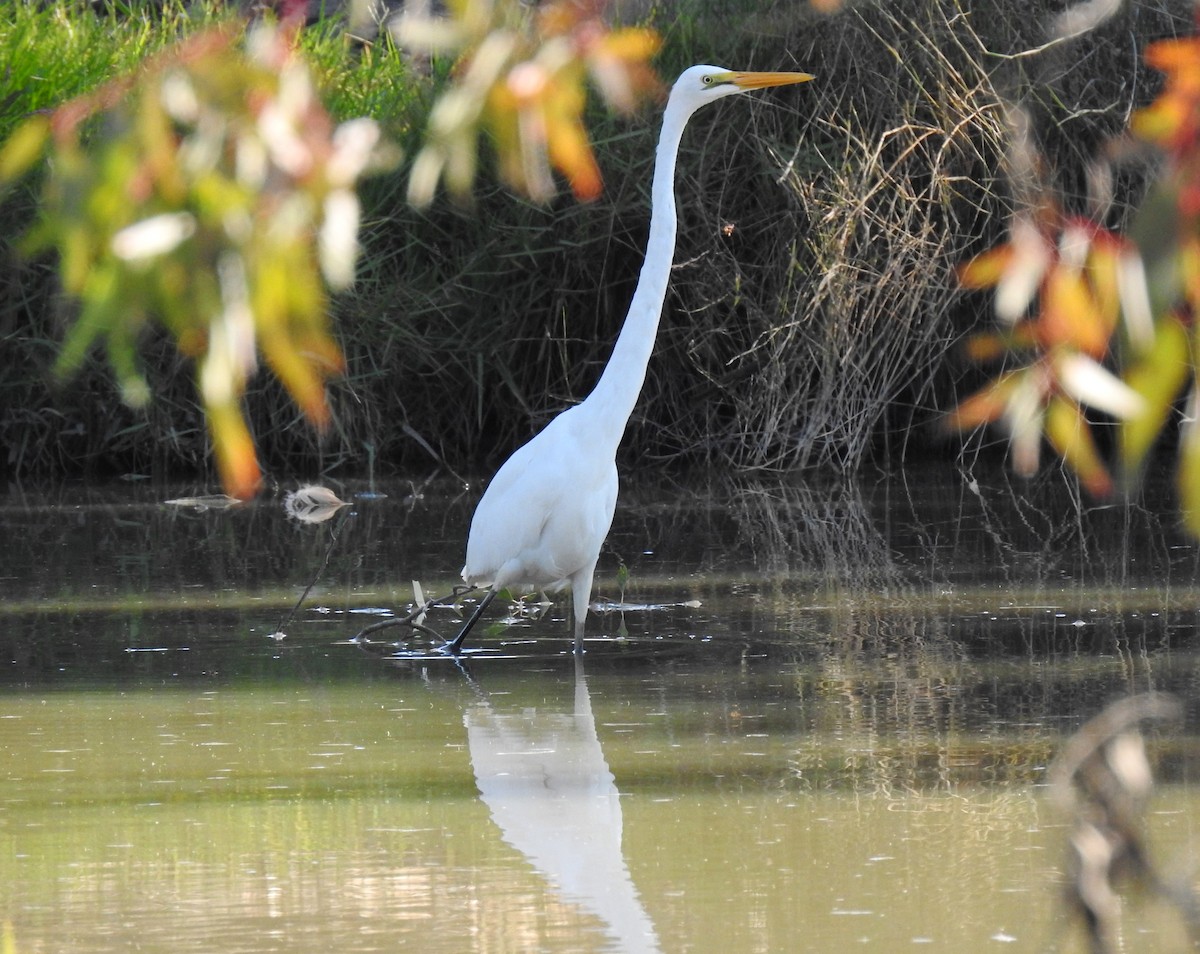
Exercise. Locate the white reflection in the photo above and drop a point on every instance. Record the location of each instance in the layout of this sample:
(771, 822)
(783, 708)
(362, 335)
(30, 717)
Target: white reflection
(542, 775)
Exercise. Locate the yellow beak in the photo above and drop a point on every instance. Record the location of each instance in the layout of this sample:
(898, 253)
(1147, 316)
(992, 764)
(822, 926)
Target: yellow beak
(761, 80)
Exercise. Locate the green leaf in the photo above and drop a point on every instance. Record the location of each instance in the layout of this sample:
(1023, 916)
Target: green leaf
(100, 313)
(1155, 231)
(122, 354)
(1158, 376)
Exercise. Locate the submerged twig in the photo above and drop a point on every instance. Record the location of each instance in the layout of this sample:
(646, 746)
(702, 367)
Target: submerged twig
(333, 539)
(413, 617)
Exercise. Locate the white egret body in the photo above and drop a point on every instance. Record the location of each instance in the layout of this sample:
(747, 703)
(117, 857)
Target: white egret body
(544, 516)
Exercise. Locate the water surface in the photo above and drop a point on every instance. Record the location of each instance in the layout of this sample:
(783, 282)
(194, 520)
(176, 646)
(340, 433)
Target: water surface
(819, 719)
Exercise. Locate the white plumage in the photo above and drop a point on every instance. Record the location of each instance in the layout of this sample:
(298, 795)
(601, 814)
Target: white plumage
(544, 516)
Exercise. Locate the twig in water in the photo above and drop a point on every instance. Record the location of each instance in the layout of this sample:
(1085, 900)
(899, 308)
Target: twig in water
(333, 539)
(411, 619)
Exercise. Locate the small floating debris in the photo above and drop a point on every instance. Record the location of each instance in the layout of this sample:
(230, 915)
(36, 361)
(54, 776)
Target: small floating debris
(206, 502)
(607, 607)
(312, 503)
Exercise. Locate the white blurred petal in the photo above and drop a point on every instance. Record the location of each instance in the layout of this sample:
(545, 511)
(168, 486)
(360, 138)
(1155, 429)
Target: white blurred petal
(427, 34)
(1135, 298)
(1023, 415)
(1083, 16)
(1020, 281)
(1090, 383)
(490, 61)
(288, 151)
(354, 144)
(153, 236)
(423, 179)
(179, 97)
(338, 239)
(1073, 246)
(295, 95)
(231, 355)
(250, 162)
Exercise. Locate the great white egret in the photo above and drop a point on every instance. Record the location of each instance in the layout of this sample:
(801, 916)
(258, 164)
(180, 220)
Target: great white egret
(544, 516)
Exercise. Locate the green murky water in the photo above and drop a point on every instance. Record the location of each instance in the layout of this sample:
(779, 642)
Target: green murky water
(822, 721)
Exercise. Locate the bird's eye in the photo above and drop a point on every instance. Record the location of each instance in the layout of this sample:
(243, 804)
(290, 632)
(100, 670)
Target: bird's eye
(707, 80)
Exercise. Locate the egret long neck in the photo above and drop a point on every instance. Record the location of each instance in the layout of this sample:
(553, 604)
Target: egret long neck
(615, 394)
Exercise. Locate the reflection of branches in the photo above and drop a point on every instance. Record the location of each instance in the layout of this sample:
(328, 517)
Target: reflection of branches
(1102, 777)
(781, 524)
(825, 527)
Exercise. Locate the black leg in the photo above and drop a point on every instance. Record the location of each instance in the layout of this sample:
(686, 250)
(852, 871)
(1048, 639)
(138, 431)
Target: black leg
(456, 644)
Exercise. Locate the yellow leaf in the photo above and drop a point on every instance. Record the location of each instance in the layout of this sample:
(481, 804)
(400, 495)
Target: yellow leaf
(1068, 432)
(1159, 121)
(1103, 276)
(1070, 316)
(23, 148)
(632, 43)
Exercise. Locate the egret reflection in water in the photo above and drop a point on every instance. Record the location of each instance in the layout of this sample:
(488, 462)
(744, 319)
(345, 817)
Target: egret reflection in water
(542, 774)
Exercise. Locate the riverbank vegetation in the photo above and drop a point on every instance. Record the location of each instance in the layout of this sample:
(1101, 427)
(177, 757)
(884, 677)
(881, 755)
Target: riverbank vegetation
(815, 317)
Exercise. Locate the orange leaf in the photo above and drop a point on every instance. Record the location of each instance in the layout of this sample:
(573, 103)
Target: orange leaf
(233, 446)
(567, 140)
(985, 269)
(303, 378)
(571, 153)
(989, 346)
(1175, 55)
(986, 347)
(984, 406)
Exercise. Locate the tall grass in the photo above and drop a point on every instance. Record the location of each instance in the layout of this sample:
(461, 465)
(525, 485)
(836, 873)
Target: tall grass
(813, 313)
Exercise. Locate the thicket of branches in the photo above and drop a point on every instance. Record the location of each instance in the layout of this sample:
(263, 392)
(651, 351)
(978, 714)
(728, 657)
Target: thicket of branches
(814, 313)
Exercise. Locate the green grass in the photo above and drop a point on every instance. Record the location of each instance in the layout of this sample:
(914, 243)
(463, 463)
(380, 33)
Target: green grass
(813, 316)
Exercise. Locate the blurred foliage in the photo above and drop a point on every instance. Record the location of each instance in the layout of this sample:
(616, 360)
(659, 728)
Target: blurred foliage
(1077, 300)
(210, 193)
(520, 72)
